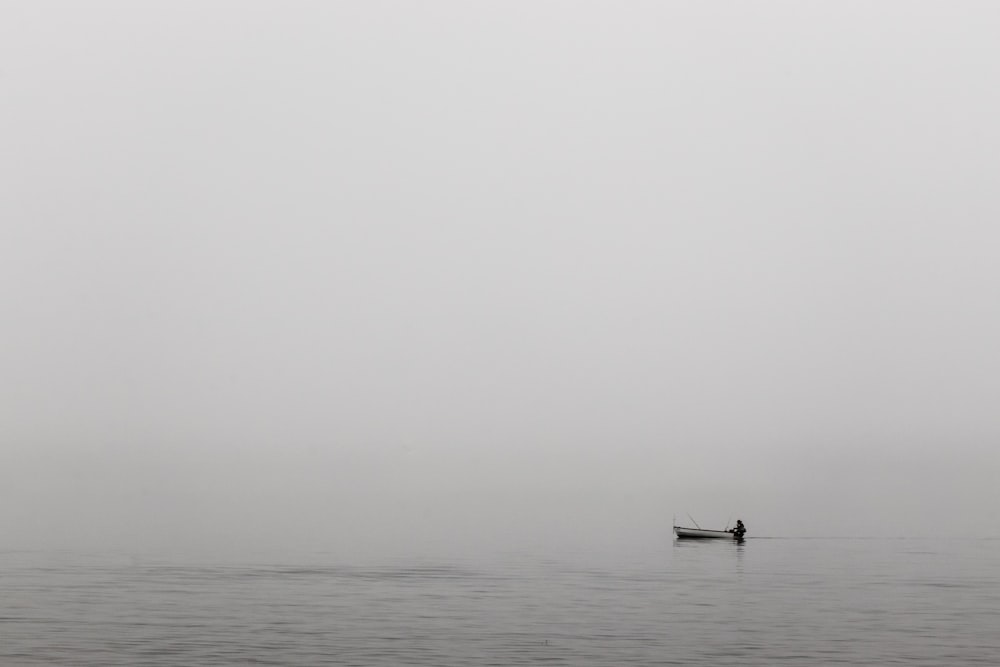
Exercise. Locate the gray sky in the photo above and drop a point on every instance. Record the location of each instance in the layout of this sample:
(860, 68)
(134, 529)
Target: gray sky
(392, 276)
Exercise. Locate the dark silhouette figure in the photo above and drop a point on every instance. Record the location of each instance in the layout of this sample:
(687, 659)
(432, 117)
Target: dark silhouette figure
(739, 530)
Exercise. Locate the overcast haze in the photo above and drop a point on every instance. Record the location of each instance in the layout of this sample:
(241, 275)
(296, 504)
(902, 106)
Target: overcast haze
(404, 277)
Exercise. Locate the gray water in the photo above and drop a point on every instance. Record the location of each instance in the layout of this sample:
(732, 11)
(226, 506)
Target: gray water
(767, 601)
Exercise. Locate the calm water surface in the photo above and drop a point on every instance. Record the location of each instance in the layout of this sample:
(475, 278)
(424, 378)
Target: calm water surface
(768, 601)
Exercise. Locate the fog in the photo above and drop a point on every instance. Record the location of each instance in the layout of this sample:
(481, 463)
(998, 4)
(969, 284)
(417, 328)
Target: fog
(386, 278)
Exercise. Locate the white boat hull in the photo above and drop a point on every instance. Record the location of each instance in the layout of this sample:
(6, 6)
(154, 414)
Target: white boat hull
(701, 533)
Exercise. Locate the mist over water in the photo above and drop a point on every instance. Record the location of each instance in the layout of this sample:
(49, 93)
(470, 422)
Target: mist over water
(367, 275)
(382, 332)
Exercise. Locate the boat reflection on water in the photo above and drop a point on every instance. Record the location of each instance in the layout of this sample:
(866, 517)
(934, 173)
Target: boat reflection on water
(738, 545)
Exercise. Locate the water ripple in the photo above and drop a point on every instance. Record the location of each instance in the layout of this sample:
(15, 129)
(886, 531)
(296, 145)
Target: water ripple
(766, 602)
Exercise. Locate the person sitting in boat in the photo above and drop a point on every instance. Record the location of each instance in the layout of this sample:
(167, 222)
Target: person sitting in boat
(739, 530)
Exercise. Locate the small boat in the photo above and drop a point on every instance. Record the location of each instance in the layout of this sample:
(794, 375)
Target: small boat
(705, 534)
(701, 533)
